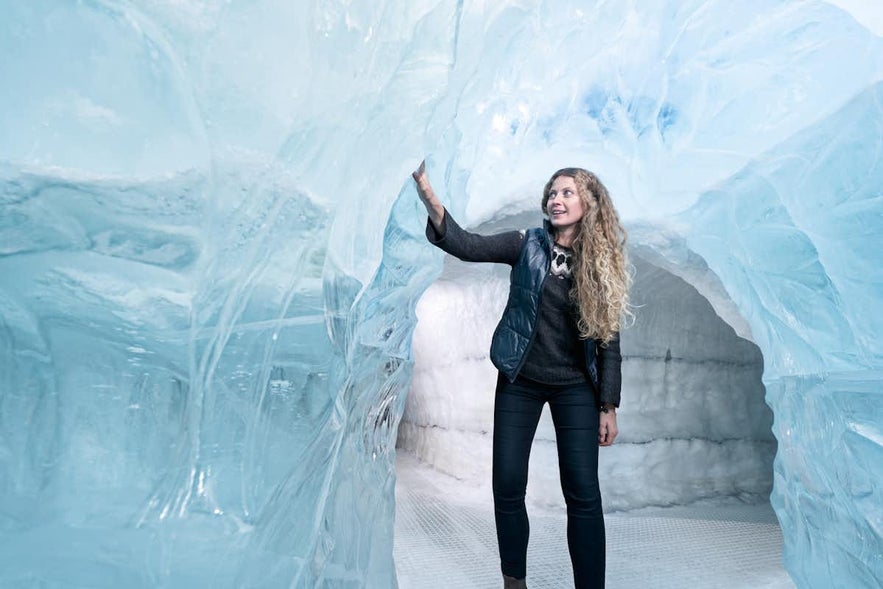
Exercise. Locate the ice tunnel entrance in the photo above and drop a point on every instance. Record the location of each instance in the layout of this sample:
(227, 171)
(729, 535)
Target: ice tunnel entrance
(693, 426)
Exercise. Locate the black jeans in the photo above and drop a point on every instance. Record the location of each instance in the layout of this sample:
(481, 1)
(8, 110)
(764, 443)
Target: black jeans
(517, 410)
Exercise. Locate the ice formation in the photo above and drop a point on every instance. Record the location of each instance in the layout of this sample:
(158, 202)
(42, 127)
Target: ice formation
(211, 256)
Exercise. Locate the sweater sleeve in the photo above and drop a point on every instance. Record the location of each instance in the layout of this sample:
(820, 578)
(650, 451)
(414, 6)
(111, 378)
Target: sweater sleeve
(501, 248)
(610, 371)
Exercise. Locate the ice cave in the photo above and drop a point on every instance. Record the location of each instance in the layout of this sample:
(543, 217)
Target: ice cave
(212, 266)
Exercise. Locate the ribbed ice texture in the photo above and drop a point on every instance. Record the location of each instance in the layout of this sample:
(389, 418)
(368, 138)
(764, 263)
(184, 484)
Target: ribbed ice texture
(210, 255)
(797, 235)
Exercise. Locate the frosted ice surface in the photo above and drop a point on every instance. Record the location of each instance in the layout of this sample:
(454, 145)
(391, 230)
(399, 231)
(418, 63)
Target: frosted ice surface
(210, 256)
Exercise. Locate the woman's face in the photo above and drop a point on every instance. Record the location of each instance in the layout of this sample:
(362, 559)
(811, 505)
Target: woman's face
(564, 207)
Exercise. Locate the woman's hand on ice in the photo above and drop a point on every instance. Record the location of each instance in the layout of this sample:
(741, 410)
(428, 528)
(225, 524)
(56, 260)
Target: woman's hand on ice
(424, 188)
(434, 208)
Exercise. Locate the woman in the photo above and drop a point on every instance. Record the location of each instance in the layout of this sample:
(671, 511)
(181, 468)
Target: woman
(557, 343)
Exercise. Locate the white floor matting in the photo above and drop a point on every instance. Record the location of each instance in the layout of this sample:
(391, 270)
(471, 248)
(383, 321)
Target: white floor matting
(447, 539)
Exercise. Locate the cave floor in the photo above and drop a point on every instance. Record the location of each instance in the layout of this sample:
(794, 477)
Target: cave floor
(444, 537)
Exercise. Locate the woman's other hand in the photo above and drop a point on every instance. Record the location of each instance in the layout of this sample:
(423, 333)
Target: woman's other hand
(607, 429)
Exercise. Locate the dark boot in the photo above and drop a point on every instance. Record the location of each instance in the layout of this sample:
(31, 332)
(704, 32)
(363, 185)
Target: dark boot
(513, 583)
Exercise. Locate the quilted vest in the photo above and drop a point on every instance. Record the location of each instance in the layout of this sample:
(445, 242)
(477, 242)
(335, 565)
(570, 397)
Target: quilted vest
(515, 331)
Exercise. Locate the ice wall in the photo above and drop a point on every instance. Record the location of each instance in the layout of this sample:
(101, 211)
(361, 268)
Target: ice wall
(210, 255)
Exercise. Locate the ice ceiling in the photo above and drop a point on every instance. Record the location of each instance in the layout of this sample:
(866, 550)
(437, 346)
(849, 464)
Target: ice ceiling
(210, 254)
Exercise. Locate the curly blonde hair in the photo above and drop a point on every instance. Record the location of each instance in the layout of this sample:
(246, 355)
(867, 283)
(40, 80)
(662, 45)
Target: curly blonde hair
(601, 277)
